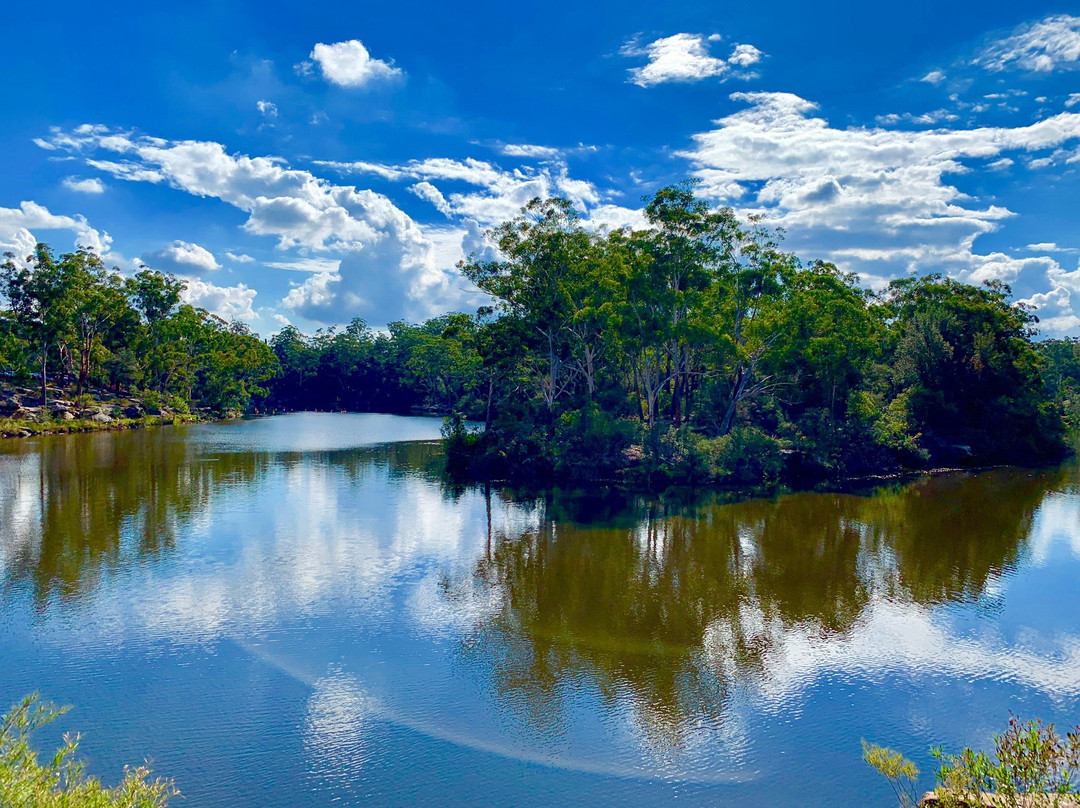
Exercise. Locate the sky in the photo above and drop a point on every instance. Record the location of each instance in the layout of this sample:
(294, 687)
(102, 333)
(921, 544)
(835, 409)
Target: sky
(310, 163)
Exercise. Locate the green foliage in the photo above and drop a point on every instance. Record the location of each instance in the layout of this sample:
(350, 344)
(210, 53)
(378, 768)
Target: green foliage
(62, 782)
(591, 445)
(1029, 758)
(902, 774)
(69, 320)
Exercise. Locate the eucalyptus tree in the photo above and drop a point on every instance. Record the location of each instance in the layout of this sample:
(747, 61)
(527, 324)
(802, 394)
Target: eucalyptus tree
(536, 280)
(38, 296)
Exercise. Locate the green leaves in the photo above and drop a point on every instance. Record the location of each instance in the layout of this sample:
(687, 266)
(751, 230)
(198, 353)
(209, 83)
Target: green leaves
(62, 782)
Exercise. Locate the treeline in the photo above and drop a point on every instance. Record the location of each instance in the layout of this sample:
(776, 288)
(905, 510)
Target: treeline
(695, 350)
(71, 322)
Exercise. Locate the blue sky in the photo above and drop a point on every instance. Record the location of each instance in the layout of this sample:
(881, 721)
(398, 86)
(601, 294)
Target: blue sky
(308, 163)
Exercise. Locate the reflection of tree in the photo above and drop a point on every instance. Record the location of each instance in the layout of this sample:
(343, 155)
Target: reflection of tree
(102, 502)
(683, 605)
(953, 535)
(107, 500)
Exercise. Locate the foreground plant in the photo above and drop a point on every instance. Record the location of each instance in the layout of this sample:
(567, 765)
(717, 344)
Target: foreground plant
(62, 781)
(1031, 765)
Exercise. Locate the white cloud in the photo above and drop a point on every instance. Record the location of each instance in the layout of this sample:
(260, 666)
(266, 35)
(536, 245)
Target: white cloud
(873, 195)
(683, 58)
(312, 265)
(268, 109)
(239, 258)
(1050, 246)
(921, 119)
(1051, 44)
(502, 193)
(425, 190)
(1072, 100)
(181, 258)
(17, 226)
(377, 244)
(88, 186)
(744, 56)
(348, 64)
(227, 302)
(527, 150)
(934, 77)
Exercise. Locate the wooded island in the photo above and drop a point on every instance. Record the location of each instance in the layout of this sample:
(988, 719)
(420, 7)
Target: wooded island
(693, 351)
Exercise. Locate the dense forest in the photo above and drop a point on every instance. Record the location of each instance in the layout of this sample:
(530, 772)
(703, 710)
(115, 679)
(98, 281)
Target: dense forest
(695, 350)
(72, 322)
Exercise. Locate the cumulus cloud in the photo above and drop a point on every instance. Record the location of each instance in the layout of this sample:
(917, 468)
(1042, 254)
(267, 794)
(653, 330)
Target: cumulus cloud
(88, 186)
(684, 58)
(181, 258)
(239, 258)
(268, 109)
(370, 236)
(744, 56)
(18, 226)
(348, 64)
(934, 77)
(1050, 44)
(227, 302)
(877, 200)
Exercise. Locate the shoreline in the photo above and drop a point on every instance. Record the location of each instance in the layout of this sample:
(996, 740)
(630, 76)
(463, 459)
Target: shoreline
(13, 428)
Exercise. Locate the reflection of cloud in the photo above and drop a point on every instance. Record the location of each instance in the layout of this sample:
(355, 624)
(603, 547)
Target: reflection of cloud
(907, 638)
(1057, 522)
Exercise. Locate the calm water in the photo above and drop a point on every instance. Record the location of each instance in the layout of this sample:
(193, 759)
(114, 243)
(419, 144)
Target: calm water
(296, 611)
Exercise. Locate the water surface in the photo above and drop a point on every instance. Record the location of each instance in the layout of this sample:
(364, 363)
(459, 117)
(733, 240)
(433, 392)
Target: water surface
(299, 611)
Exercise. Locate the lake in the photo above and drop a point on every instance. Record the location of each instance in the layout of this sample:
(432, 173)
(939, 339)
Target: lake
(300, 611)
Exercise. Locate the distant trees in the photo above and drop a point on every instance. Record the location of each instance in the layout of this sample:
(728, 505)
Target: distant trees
(70, 320)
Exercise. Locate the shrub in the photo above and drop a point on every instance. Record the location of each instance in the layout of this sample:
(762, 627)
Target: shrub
(746, 456)
(590, 444)
(1030, 760)
(62, 782)
(178, 404)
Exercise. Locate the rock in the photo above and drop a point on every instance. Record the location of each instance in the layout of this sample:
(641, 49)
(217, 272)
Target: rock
(101, 418)
(65, 415)
(133, 411)
(25, 433)
(10, 405)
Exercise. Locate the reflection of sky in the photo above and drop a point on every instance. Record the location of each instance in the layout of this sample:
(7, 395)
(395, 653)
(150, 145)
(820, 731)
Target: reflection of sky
(330, 571)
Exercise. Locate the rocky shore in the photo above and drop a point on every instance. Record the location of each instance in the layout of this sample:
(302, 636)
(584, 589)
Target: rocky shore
(23, 413)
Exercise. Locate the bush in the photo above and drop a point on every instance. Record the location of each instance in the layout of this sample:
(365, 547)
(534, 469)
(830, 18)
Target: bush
(590, 444)
(178, 404)
(151, 399)
(746, 456)
(62, 783)
(1030, 760)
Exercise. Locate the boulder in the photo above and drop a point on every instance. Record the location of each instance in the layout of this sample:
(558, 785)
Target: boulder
(133, 411)
(101, 418)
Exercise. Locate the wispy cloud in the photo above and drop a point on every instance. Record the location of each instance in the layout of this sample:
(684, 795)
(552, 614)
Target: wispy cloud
(1050, 44)
(88, 186)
